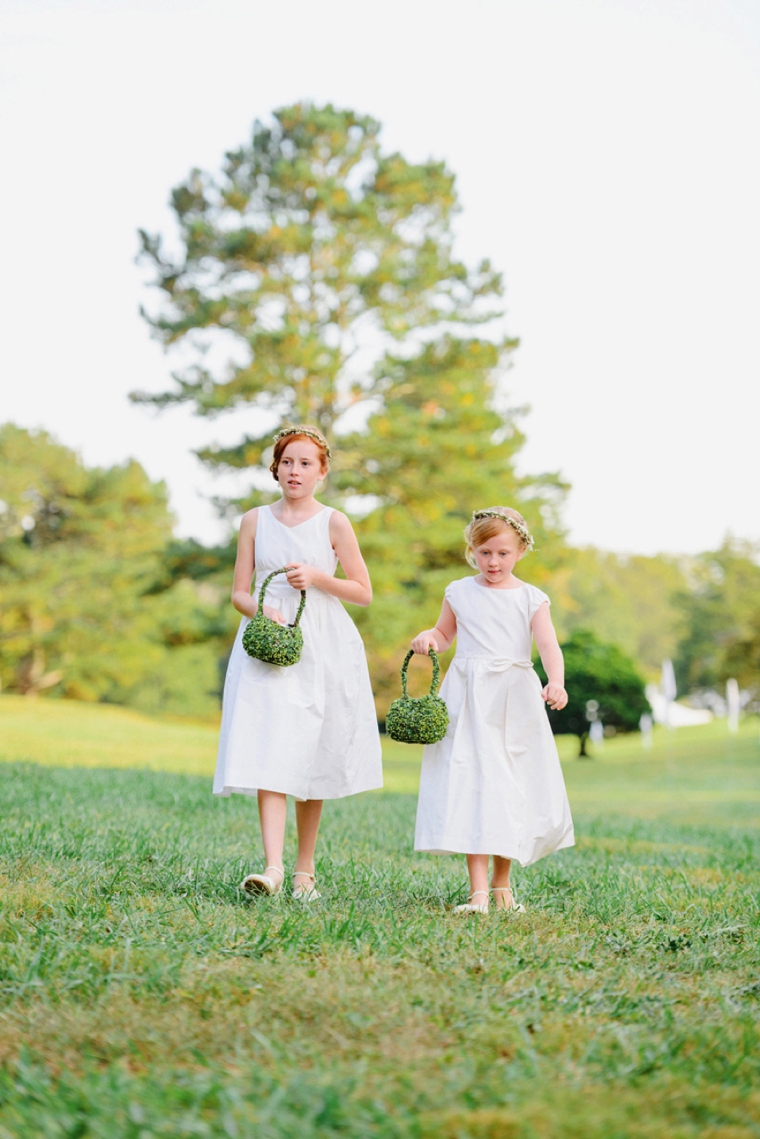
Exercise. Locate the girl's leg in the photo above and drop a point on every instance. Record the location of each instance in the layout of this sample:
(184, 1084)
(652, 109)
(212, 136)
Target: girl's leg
(477, 865)
(272, 813)
(308, 816)
(500, 882)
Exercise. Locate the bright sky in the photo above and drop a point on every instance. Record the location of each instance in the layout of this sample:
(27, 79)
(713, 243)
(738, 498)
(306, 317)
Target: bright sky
(607, 160)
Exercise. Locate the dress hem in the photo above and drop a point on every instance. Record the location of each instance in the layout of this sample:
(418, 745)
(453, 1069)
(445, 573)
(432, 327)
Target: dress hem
(225, 792)
(459, 848)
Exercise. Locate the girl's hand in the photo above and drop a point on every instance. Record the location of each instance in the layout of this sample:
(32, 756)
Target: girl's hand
(555, 696)
(301, 576)
(274, 615)
(424, 641)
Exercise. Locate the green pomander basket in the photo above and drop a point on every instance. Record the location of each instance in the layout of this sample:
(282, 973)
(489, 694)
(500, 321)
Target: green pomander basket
(266, 640)
(418, 720)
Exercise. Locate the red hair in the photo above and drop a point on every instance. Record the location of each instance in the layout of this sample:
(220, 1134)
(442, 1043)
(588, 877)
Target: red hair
(310, 435)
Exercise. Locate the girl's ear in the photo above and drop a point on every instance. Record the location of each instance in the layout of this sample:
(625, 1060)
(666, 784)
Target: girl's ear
(522, 553)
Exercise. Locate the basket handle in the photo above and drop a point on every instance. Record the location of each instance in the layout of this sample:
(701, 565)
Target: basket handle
(263, 590)
(436, 672)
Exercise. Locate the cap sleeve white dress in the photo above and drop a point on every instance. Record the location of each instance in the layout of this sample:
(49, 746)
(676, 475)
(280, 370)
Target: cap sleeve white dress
(308, 729)
(493, 785)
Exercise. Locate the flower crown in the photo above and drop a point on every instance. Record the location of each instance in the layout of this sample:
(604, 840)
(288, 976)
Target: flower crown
(315, 435)
(519, 527)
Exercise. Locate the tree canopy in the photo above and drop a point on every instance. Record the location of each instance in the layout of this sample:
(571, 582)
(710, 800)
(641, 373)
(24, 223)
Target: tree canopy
(81, 564)
(435, 451)
(742, 660)
(101, 603)
(629, 601)
(299, 263)
(316, 281)
(314, 278)
(720, 611)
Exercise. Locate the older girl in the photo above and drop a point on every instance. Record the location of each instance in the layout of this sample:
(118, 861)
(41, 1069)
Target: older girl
(309, 729)
(493, 786)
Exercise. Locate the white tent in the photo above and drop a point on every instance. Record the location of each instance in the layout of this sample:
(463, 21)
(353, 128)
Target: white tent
(674, 715)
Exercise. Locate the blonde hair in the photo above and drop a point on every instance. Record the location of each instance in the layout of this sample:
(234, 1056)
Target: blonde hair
(490, 522)
(289, 435)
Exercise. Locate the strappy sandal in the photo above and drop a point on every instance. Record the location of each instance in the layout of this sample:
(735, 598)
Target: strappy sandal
(470, 907)
(515, 907)
(262, 883)
(305, 891)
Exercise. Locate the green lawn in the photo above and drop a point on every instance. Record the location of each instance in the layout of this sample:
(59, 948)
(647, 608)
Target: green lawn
(141, 995)
(647, 784)
(65, 733)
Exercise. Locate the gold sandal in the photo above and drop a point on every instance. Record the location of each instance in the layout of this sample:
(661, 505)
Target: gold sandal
(515, 907)
(470, 907)
(262, 883)
(305, 891)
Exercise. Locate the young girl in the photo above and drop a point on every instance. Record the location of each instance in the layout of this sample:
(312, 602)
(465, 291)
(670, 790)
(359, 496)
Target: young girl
(493, 785)
(308, 729)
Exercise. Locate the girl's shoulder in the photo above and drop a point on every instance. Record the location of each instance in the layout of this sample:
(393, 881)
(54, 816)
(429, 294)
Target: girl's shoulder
(249, 521)
(338, 522)
(535, 590)
(536, 597)
(454, 588)
(458, 582)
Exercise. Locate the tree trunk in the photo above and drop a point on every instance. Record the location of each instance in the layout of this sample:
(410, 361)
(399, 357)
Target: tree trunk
(583, 754)
(32, 677)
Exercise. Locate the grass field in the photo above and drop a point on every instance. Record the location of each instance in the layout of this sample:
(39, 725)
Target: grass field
(141, 995)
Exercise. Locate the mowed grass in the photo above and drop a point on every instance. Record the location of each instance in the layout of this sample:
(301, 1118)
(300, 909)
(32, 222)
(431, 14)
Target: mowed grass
(141, 995)
(692, 774)
(66, 733)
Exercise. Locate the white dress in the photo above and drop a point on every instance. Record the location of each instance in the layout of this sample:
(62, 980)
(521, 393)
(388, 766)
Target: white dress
(493, 785)
(307, 729)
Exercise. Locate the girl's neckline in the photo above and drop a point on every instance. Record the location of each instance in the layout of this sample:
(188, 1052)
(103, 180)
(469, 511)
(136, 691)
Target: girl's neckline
(488, 589)
(321, 510)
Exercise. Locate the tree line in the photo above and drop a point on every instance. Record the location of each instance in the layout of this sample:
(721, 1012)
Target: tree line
(314, 279)
(101, 602)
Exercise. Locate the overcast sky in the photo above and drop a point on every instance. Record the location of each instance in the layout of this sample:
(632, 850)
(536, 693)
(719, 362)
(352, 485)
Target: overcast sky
(607, 161)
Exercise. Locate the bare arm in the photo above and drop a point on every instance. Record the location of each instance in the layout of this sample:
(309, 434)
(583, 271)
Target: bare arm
(244, 567)
(356, 588)
(551, 657)
(439, 638)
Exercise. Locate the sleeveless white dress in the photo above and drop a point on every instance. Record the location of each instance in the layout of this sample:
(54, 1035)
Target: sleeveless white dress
(493, 785)
(308, 729)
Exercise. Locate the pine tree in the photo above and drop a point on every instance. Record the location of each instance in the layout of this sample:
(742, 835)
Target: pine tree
(300, 263)
(436, 451)
(316, 282)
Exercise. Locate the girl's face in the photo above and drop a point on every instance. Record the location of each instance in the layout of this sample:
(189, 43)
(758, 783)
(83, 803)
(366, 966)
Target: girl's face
(300, 469)
(498, 556)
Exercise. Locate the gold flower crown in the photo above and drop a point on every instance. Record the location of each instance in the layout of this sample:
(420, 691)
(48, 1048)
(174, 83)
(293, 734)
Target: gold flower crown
(315, 435)
(521, 529)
